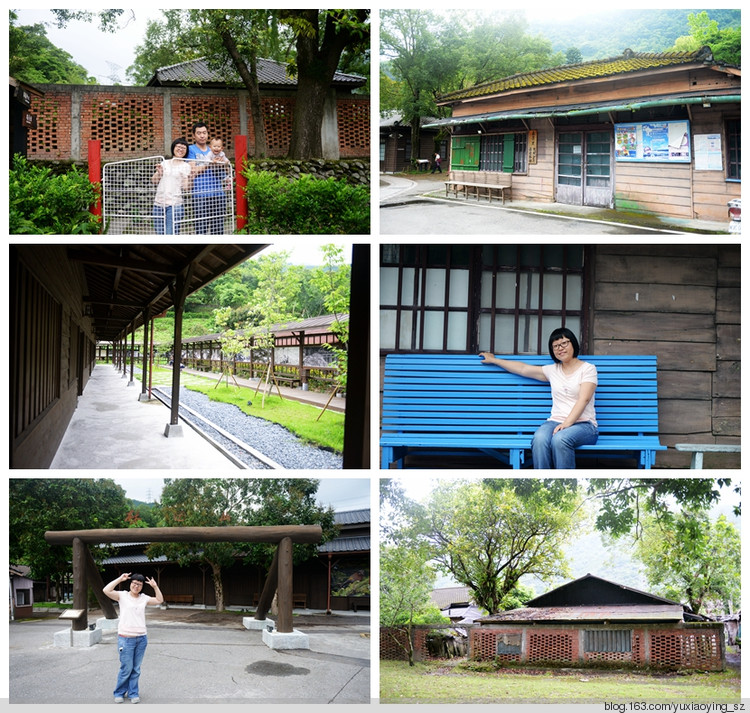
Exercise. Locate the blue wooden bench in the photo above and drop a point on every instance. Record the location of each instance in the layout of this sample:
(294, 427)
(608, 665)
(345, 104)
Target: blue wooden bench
(440, 404)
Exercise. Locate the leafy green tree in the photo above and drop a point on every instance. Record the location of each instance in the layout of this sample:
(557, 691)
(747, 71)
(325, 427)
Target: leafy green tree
(726, 44)
(321, 37)
(406, 581)
(40, 504)
(215, 502)
(418, 62)
(488, 535)
(573, 56)
(34, 59)
(624, 501)
(333, 279)
(693, 559)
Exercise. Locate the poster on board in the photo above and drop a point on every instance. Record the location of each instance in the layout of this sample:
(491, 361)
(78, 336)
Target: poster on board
(653, 141)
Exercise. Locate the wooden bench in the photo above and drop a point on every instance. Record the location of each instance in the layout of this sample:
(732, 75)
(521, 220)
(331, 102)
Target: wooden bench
(478, 183)
(178, 598)
(698, 449)
(298, 600)
(439, 404)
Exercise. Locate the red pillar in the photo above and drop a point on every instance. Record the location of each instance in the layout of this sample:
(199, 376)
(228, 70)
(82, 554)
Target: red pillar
(95, 173)
(240, 155)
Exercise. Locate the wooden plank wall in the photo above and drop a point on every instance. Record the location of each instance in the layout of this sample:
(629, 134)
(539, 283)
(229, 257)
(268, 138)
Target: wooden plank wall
(681, 303)
(35, 447)
(539, 182)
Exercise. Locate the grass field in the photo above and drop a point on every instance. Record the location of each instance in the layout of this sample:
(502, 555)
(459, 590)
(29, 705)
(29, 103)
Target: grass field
(299, 418)
(442, 682)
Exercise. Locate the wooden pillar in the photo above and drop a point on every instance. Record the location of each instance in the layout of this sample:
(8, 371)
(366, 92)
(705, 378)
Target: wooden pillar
(284, 587)
(357, 418)
(179, 291)
(80, 584)
(269, 588)
(132, 353)
(145, 367)
(97, 584)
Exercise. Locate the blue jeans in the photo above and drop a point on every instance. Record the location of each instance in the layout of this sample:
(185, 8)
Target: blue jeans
(167, 219)
(131, 649)
(558, 450)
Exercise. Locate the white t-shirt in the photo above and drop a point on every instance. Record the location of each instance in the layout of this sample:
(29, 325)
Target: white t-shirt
(169, 190)
(132, 614)
(566, 388)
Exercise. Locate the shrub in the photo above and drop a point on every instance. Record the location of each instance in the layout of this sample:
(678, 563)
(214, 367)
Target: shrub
(306, 205)
(43, 203)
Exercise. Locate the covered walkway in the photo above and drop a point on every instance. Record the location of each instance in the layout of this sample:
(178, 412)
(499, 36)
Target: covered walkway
(111, 428)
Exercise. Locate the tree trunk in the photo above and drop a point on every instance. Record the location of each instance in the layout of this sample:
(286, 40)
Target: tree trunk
(250, 80)
(218, 586)
(316, 65)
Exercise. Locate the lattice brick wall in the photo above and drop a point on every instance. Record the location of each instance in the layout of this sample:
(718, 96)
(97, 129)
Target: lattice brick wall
(51, 138)
(354, 126)
(605, 656)
(125, 124)
(551, 646)
(277, 121)
(390, 650)
(686, 649)
(219, 113)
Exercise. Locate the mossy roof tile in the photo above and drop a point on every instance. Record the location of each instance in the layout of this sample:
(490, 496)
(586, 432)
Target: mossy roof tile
(629, 61)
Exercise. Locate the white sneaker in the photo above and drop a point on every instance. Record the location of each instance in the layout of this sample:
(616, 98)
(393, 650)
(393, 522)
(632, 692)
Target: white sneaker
(135, 700)
(119, 699)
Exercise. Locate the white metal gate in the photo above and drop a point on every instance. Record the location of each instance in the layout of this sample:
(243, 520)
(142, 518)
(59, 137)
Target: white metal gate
(199, 197)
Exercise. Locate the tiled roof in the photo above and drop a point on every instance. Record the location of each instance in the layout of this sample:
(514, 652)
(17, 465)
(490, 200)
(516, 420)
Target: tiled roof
(346, 544)
(270, 72)
(628, 62)
(352, 517)
(641, 612)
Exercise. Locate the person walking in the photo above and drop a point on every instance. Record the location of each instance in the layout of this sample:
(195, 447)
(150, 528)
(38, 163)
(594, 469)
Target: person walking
(436, 163)
(131, 631)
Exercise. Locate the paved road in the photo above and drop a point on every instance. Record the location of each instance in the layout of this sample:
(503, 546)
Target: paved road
(430, 216)
(194, 663)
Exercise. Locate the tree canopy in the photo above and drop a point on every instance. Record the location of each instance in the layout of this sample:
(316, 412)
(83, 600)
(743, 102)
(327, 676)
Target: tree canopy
(217, 502)
(489, 534)
(695, 560)
(40, 504)
(34, 59)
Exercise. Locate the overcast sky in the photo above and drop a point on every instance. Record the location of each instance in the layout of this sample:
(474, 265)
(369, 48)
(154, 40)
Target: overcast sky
(340, 493)
(103, 54)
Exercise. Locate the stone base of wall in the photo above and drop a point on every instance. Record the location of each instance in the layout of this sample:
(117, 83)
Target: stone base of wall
(354, 171)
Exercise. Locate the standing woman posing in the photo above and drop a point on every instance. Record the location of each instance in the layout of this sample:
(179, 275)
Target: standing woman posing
(572, 421)
(131, 631)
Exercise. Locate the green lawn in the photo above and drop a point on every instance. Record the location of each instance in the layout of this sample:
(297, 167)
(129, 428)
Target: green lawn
(449, 682)
(299, 418)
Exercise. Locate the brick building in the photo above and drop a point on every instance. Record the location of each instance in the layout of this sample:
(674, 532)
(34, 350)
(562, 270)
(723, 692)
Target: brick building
(591, 621)
(134, 122)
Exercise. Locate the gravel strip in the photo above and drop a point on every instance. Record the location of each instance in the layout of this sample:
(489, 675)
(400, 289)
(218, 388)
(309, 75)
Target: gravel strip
(272, 440)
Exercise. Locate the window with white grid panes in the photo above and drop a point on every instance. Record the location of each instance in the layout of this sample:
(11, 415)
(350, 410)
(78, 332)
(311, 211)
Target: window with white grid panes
(469, 298)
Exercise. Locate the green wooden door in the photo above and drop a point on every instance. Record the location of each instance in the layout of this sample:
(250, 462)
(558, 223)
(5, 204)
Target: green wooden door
(465, 153)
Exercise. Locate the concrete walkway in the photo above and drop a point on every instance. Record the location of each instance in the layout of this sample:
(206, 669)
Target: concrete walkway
(195, 663)
(112, 429)
(401, 189)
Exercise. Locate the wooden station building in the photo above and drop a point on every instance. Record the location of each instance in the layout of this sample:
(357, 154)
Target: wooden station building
(656, 133)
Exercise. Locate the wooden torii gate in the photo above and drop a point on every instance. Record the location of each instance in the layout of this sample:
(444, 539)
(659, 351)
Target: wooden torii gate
(279, 576)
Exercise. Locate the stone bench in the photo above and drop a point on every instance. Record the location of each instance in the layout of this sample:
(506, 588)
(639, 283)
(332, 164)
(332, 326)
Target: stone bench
(698, 449)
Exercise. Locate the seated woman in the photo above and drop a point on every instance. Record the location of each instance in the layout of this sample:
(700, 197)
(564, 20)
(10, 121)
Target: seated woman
(572, 422)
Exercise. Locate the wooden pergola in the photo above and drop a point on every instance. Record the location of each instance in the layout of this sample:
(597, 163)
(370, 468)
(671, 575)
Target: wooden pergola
(279, 577)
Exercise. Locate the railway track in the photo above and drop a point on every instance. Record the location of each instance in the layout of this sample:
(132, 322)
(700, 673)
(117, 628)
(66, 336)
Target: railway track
(239, 452)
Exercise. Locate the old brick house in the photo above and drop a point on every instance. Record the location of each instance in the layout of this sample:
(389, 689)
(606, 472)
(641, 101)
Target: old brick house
(592, 621)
